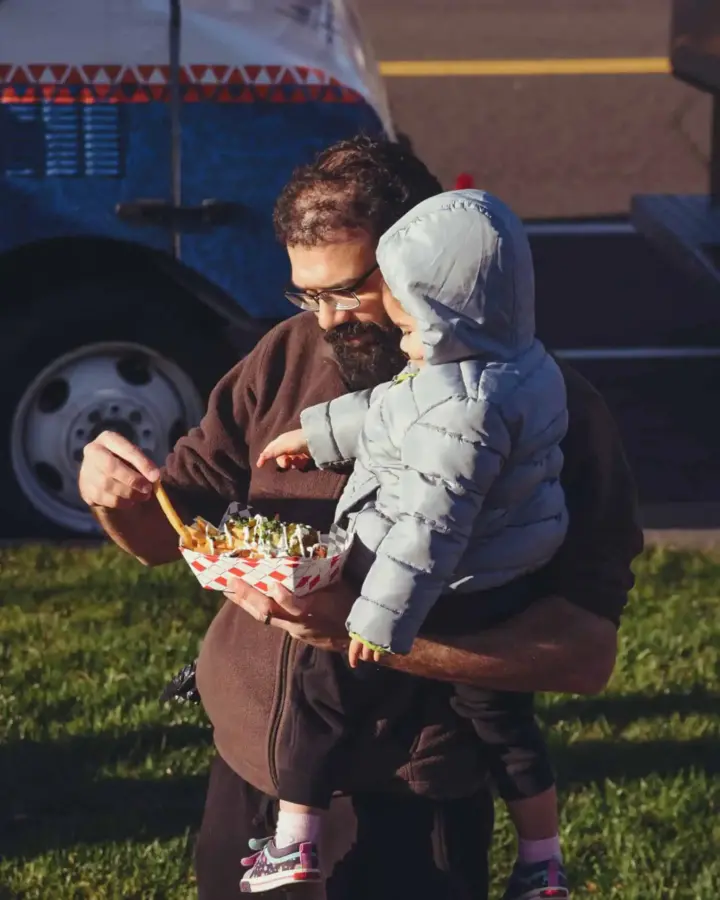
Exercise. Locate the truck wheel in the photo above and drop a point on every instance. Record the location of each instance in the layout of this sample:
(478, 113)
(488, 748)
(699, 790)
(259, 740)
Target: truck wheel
(146, 379)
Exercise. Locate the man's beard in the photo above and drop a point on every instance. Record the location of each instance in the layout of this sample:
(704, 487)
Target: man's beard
(367, 353)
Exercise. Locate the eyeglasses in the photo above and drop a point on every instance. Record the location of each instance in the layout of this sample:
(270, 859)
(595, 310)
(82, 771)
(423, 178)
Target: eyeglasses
(339, 298)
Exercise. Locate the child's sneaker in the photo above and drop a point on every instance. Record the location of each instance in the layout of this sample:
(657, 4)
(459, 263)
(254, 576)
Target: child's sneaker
(537, 881)
(271, 868)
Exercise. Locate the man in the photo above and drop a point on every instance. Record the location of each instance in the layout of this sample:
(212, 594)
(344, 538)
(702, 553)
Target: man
(330, 217)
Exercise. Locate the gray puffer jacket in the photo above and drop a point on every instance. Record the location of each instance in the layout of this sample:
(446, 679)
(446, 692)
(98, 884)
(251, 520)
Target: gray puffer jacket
(455, 486)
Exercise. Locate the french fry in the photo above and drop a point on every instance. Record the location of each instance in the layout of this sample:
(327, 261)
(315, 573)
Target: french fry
(172, 516)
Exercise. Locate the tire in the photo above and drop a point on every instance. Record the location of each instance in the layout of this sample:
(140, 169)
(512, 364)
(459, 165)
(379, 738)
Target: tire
(126, 357)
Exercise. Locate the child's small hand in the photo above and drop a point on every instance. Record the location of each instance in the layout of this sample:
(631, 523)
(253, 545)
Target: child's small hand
(289, 450)
(360, 652)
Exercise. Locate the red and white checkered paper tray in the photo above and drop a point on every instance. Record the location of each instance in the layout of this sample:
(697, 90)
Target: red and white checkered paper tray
(301, 576)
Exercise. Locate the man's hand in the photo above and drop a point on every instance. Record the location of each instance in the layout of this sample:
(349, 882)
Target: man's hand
(318, 619)
(290, 451)
(115, 474)
(116, 481)
(553, 646)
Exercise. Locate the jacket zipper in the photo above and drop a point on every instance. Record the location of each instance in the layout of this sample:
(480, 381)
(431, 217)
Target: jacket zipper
(278, 711)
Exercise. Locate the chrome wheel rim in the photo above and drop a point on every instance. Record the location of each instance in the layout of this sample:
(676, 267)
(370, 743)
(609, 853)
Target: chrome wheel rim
(121, 387)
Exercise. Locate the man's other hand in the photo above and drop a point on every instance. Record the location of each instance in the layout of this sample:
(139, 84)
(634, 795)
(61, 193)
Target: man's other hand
(317, 619)
(115, 474)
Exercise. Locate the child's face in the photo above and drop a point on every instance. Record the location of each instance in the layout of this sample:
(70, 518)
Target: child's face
(411, 343)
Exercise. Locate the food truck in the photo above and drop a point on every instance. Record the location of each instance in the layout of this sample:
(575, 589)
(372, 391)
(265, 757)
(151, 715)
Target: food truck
(142, 145)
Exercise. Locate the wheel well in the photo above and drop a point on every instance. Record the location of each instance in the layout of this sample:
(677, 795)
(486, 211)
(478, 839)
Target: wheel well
(35, 269)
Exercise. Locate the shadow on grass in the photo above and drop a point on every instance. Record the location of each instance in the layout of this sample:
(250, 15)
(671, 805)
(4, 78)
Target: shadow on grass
(585, 762)
(55, 796)
(621, 711)
(592, 762)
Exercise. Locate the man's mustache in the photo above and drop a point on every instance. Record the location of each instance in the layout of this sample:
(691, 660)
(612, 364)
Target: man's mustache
(348, 331)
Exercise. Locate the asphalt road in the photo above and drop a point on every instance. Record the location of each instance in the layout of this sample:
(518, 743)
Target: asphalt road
(576, 145)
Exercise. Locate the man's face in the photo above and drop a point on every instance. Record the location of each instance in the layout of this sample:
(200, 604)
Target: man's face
(365, 342)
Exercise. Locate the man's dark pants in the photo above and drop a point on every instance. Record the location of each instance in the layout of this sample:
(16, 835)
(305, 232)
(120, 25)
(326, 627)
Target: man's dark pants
(407, 847)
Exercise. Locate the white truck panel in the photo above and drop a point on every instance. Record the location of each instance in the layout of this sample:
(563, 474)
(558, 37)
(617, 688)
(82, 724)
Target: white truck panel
(318, 34)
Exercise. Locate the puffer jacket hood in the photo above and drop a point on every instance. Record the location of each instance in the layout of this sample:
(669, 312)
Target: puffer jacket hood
(460, 264)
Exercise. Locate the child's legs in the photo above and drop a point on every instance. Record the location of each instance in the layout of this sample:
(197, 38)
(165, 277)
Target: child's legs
(517, 757)
(309, 744)
(313, 735)
(297, 824)
(329, 704)
(535, 818)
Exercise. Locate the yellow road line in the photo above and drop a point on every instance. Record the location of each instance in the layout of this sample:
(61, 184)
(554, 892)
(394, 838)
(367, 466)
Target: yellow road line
(433, 68)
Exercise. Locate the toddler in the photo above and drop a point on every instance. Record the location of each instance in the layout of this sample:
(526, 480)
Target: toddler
(454, 500)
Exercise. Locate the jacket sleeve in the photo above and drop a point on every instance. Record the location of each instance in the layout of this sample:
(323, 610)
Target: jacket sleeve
(451, 456)
(332, 429)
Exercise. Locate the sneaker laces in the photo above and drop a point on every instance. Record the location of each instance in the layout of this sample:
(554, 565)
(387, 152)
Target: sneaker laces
(257, 845)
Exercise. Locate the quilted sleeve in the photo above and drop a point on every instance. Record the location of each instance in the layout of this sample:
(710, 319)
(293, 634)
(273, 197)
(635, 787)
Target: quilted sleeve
(332, 429)
(451, 456)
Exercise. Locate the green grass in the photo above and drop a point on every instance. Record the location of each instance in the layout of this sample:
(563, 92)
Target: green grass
(101, 788)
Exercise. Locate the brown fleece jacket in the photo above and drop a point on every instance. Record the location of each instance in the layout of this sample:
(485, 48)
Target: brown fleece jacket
(244, 669)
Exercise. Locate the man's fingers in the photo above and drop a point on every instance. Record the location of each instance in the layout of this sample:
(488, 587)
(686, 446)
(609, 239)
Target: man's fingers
(115, 474)
(126, 451)
(115, 495)
(281, 605)
(291, 603)
(112, 501)
(111, 469)
(253, 601)
(258, 607)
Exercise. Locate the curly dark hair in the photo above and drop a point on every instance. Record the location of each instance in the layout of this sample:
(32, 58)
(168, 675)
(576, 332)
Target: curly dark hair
(365, 183)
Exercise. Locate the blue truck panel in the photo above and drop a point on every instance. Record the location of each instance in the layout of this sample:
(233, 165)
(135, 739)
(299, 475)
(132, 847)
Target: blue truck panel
(48, 191)
(65, 167)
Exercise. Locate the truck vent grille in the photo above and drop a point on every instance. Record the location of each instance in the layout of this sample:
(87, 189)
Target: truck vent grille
(52, 140)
